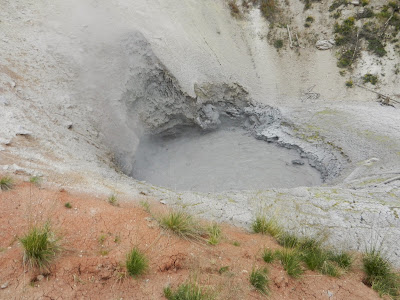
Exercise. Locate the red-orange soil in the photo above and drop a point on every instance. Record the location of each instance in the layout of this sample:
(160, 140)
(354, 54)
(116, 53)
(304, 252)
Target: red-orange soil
(96, 237)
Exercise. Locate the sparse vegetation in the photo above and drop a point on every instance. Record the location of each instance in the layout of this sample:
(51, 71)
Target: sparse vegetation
(36, 180)
(380, 275)
(136, 262)
(269, 9)
(268, 255)
(6, 183)
(146, 206)
(349, 83)
(40, 246)
(337, 3)
(278, 44)
(373, 79)
(112, 199)
(224, 269)
(305, 250)
(214, 232)
(235, 11)
(187, 291)
(236, 243)
(291, 261)
(364, 2)
(68, 205)
(264, 226)
(259, 279)
(182, 224)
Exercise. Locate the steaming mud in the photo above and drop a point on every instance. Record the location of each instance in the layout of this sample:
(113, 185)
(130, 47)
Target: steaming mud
(223, 160)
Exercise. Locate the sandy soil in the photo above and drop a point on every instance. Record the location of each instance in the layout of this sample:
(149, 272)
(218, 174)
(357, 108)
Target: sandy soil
(96, 237)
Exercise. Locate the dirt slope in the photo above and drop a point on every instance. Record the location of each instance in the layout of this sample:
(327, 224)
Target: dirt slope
(97, 236)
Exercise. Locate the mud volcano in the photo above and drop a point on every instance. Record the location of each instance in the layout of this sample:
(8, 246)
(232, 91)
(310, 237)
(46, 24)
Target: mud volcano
(221, 160)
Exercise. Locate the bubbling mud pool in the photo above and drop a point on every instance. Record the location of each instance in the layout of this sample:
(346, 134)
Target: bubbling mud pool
(223, 160)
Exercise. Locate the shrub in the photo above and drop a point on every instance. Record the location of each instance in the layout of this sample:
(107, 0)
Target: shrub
(235, 11)
(182, 224)
(268, 9)
(136, 262)
(373, 79)
(6, 183)
(309, 19)
(68, 205)
(261, 225)
(376, 47)
(337, 3)
(40, 246)
(187, 291)
(259, 279)
(278, 44)
(364, 2)
(349, 83)
(379, 274)
(268, 255)
(291, 261)
(214, 232)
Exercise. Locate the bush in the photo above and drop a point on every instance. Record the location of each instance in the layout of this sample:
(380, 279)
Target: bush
(136, 262)
(40, 246)
(376, 47)
(6, 183)
(287, 240)
(380, 275)
(349, 83)
(278, 44)
(268, 9)
(235, 11)
(373, 79)
(259, 279)
(68, 205)
(187, 291)
(182, 224)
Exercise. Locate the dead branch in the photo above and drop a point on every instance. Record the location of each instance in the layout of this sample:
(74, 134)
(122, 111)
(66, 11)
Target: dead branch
(386, 25)
(290, 36)
(385, 97)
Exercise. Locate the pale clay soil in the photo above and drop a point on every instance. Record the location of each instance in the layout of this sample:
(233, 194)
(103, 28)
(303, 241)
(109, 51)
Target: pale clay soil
(90, 269)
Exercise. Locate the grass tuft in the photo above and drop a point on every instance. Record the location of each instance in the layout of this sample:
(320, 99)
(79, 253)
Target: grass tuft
(113, 200)
(214, 232)
(6, 183)
(187, 291)
(291, 261)
(136, 262)
(380, 275)
(36, 180)
(40, 246)
(259, 279)
(287, 240)
(68, 205)
(182, 224)
(262, 225)
(268, 255)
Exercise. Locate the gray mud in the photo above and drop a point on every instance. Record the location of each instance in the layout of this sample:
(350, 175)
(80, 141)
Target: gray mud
(227, 159)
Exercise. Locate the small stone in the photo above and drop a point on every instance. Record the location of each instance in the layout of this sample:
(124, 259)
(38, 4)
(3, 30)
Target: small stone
(4, 101)
(69, 125)
(325, 44)
(330, 294)
(40, 277)
(163, 202)
(4, 285)
(298, 162)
